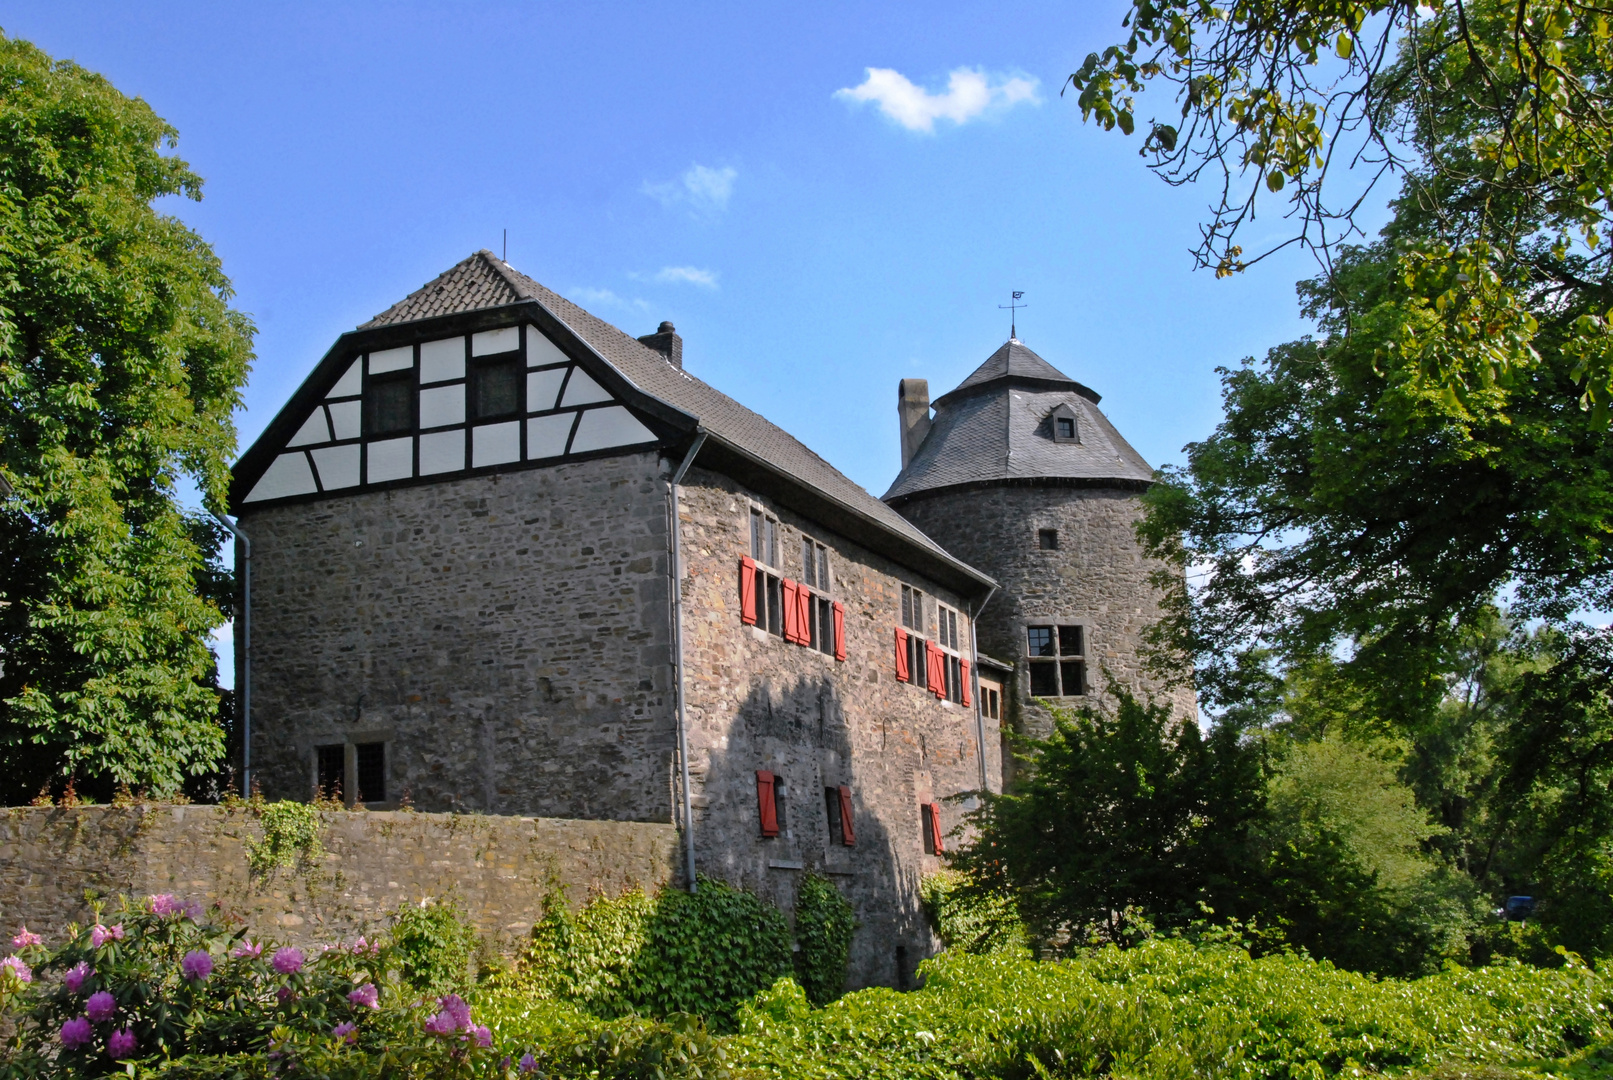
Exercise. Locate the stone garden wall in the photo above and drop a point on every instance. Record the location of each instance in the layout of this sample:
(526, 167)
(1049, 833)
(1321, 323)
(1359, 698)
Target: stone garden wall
(499, 868)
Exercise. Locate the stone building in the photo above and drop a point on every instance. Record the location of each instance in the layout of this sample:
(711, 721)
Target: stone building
(1021, 475)
(507, 558)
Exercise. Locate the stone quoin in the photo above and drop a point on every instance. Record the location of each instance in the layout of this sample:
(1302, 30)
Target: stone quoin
(476, 587)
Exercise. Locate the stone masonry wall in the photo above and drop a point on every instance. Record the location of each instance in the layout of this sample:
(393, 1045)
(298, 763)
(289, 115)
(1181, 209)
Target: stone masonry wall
(1098, 576)
(757, 702)
(506, 636)
(500, 868)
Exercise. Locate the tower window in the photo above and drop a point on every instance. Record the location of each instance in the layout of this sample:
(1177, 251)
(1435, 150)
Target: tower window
(331, 763)
(1063, 427)
(1066, 428)
(370, 762)
(1057, 659)
(496, 388)
(1047, 539)
(389, 404)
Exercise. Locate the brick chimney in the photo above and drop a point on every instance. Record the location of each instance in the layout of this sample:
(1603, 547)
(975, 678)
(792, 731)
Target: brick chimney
(913, 408)
(666, 341)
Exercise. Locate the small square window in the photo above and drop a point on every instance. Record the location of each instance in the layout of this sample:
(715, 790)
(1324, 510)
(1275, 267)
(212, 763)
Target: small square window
(389, 405)
(1066, 427)
(1040, 640)
(496, 389)
(332, 766)
(1070, 641)
(1047, 539)
(371, 762)
(1044, 679)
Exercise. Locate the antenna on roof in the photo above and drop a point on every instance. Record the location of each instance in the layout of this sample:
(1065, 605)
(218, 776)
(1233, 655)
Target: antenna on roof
(505, 258)
(1013, 306)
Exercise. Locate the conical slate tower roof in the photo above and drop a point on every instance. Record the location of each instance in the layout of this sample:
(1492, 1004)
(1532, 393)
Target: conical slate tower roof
(997, 427)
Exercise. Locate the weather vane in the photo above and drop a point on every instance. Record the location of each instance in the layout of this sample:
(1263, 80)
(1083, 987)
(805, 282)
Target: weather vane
(1013, 306)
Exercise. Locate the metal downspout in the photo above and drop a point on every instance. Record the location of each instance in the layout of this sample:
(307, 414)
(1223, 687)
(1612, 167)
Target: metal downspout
(246, 653)
(980, 722)
(677, 652)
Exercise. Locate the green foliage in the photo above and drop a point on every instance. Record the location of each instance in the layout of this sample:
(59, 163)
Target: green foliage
(1349, 880)
(121, 363)
(674, 952)
(435, 946)
(824, 923)
(969, 917)
(1120, 810)
(1166, 1010)
(291, 836)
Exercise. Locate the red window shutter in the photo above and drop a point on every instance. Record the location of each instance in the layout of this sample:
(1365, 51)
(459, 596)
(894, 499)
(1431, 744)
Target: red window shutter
(747, 591)
(963, 667)
(935, 827)
(792, 613)
(767, 809)
(937, 669)
(848, 835)
(840, 630)
(902, 674)
(803, 620)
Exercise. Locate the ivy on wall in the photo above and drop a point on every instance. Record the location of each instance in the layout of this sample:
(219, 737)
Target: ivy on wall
(824, 924)
(291, 837)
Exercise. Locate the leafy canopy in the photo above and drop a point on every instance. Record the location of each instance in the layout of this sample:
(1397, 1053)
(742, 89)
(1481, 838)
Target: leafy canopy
(120, 365)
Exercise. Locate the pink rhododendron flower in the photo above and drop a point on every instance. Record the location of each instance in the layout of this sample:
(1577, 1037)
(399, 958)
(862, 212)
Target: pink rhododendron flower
(366, 996)
(100, 1006)
(285, 994)
(248, 949)
(362, 947)
(346, 1031)
(19, 970)
(74, 979)
(169, 904)
(100, 935)
(196, 966)
(25, 938)
(77, 1032)
(121, 1044)
(484, 1038)
(528, 1063)
(287, 961)
(440, 1024)
(452, 1015)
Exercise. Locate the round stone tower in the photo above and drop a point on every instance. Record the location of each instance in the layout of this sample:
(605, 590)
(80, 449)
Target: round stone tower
(1019, 474)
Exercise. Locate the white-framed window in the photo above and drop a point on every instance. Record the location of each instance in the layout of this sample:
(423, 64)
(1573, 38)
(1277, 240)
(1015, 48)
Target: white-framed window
(947, 638)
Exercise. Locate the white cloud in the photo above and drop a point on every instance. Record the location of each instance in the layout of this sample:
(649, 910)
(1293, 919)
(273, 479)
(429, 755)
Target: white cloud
(970, 93)
(604, 298)
(700, 186)
(687, 275)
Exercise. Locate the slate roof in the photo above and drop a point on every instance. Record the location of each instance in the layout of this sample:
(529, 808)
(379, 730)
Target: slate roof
(996, 427)
(483, 280)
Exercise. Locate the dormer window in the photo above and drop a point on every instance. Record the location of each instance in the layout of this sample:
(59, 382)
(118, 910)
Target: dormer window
(1064, 426)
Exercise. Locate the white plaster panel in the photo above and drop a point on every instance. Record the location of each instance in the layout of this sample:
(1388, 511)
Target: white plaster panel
(350, 383)
(337, 465)
(391, 359)
(287, 475)
(600, 428)
(442, 452)
(583, 390)
(546, 435)
(488, 342)
(442, 405)
(494, 444)
(392, 459)
(540, 350)
(346, 418)
(314, 430)
(542, 387)
(440, 360)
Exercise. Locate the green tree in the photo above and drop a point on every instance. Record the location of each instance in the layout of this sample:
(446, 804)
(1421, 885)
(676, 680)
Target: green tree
(120, 365)
(1120, 810)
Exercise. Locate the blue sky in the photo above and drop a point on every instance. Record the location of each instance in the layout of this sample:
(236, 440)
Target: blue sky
(816, 230)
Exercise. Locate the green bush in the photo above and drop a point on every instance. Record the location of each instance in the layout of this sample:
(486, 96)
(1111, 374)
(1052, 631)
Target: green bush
(969, 916)
(435, 946)
(824, 924)
(674, 952)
